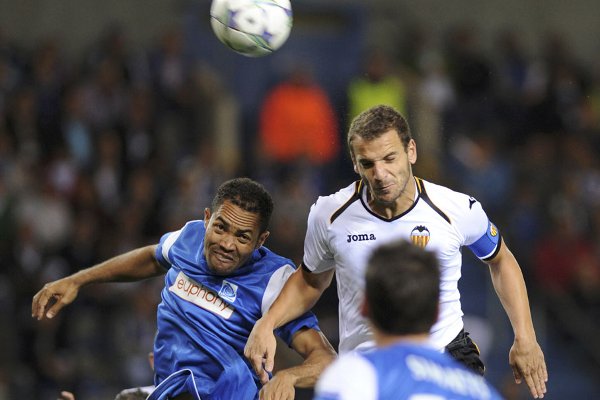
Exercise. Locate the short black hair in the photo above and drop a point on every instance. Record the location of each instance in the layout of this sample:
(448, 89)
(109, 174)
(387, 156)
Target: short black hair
(402, 288)
(375, 121)
(247, 194)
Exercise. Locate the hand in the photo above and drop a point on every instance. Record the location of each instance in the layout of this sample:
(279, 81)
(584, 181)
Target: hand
(281, 387)
(62, 291)
(64, 395)
(260, 350)
(527, 362)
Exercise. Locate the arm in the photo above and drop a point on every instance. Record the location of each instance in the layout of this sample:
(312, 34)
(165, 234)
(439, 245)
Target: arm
(132, 266)
(526, 357)
(299, 294)
(317, 352)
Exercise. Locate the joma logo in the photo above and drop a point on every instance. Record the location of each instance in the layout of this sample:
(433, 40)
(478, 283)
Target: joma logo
(361, 237)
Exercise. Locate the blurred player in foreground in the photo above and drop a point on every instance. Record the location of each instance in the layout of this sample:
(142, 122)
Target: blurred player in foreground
(389, 203)
(401, 302)
(219, 281)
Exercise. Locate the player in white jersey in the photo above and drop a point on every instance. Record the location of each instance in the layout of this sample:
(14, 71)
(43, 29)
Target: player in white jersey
(401, 299)
(389, 203)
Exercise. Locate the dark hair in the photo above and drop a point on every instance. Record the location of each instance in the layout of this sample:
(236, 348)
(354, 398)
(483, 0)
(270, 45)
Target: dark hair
(247, 194)
(402, 288)
(377, 120)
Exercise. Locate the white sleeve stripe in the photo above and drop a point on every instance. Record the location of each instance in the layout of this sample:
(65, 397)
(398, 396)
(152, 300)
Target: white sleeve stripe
(168, 243)
(276, 282)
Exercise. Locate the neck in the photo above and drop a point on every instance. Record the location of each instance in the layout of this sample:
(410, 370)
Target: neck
(399, 205)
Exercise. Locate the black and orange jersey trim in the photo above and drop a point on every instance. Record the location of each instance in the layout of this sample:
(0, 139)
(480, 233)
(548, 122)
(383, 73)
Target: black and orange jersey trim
(358, 185)
(426, 199)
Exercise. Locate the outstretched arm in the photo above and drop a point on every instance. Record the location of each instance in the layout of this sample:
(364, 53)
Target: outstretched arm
(526, 357)
(132, 266)
(317, 352)
(299, 294)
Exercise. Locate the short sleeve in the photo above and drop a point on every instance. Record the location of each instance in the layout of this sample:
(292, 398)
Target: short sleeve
(480, 235)
(164, 245)
(274, 286)
(471, 222)
(317, 254)
(351, 377)
(306, 321)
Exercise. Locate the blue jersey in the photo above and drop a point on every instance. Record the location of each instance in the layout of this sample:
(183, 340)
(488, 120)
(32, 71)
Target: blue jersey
(401, 372)
(204, 319)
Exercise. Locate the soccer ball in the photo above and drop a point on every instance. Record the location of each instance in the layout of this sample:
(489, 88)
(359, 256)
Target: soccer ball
(253, 28)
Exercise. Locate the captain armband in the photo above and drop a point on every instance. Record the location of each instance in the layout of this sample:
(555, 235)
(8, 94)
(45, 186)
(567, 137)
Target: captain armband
(487, 246)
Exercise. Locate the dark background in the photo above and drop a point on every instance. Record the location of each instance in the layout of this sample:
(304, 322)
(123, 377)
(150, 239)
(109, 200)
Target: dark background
(102, 151)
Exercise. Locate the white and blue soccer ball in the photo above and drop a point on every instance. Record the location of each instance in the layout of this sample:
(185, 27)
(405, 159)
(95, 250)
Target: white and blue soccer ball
(253, 28)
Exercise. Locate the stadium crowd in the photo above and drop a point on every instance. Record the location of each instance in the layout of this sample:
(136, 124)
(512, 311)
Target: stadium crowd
(103, 153)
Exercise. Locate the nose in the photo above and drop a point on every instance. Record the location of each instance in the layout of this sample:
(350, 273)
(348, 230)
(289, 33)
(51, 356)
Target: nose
(379, 171)
(226, 242)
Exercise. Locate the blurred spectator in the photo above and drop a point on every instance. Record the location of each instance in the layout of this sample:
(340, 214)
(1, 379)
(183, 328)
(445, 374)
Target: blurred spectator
(434, 98)
(565, 245)
(22, 124)
(140, 135)
(470, 71)
(483, 171)
(104, 96)
(217, 119)
(513, 67)
(102, 149)
(49, 76)
(298, 126)
(376, 85)
(108, 172)
(195, 178)
(76, 131)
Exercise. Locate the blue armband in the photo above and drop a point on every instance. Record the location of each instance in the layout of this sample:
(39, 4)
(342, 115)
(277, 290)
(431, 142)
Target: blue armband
(487, 246)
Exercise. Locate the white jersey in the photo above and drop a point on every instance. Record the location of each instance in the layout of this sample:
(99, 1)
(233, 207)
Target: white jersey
(343, 231)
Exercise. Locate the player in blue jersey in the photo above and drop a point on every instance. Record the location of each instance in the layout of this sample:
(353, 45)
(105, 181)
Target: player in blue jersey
(219, 281)
(389, 203)
(401, 300)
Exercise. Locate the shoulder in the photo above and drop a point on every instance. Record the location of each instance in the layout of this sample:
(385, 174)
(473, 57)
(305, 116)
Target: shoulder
(271, 262)
(276, 270)
(191, 231)
(458, 207)
(190, 236)
(194, 227)
(444, 196)
(351, 376)
(327, 207)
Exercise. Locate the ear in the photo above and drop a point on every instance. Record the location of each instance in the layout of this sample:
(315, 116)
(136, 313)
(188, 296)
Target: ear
(151, 360)
(354, 164)
(206, 217)
(364, 307)
(411, 150)
(262, 238)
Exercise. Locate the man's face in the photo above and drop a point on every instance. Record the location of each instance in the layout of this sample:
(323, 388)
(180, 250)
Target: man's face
(385, 165)
(232, 234)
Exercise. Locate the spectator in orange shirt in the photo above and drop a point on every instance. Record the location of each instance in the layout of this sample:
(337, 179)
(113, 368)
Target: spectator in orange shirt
(297, 122)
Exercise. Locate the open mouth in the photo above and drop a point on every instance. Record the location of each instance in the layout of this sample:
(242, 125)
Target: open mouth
(222, 257)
